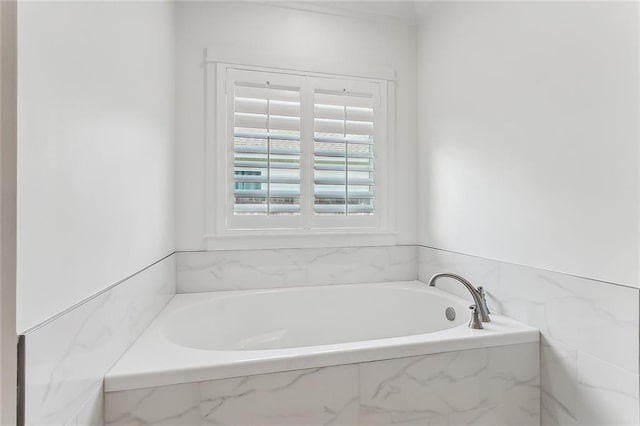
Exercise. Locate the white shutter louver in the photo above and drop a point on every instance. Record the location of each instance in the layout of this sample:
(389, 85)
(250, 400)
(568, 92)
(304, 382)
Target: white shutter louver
(343, 153)
(266, 149)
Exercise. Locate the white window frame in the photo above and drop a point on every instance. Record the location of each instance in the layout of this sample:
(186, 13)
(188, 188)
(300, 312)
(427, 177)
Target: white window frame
(220, 221)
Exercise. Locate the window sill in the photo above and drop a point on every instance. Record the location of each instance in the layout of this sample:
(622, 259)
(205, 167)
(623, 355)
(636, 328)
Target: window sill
(278, 239)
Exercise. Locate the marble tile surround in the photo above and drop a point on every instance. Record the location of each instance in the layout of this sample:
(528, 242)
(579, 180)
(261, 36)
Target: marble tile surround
(67, 358)
(250, 269)
(590, 334)
(497, 386)
(589, 347)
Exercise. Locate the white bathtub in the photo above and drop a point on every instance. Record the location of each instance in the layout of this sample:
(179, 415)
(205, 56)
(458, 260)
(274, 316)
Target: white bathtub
(207, 336)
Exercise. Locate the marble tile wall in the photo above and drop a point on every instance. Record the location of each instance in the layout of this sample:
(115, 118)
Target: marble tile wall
(67, 358)
(497, 386)
(590, 329)
(590, 334)
(250, 269)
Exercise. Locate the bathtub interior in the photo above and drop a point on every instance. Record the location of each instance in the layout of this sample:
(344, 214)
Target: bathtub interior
(300, 317)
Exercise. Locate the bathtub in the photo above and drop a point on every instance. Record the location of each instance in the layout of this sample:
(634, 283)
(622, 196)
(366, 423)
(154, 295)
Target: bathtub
(209, 336)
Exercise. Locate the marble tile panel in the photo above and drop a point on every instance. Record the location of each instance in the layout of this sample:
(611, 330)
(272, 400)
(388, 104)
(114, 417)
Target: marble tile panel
(407, 390)
(253, 269)
(553, 413)
(608, 394)
(321, 396)
(496, 386)
(514, 384)
(482, 416)
(559, 378)
(67, 358)
(92, 414)
(597, 318)
(174, 405)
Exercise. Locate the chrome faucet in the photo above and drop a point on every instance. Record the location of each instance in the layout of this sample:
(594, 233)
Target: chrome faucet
(478, 295)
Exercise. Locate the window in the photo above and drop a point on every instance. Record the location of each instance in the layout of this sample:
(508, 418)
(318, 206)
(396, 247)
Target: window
(301, 152)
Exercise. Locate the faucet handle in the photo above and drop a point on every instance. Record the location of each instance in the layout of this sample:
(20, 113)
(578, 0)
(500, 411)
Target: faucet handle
(483, 297)
(474, 321)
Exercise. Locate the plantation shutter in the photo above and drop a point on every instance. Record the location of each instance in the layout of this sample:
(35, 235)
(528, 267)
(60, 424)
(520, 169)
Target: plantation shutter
(343, 152)
(266, 148)
(301, 151)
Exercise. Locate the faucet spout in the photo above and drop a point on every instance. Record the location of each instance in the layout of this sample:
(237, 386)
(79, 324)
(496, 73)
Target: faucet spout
(477, 295)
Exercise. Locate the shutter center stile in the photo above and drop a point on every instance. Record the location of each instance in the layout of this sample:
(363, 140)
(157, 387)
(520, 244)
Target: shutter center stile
(346, 158)
(268, 150)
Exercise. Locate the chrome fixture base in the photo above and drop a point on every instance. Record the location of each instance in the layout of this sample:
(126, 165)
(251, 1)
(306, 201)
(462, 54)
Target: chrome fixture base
(474, 321)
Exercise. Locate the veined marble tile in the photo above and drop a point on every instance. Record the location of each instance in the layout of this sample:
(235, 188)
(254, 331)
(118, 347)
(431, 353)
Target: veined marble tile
(322, 396)
(594, 317)
(553, 413)
(608, 394)
(251, 269)
(514, 383)
(482, 416)
(497, 386)
(67, 358)
(559, 378)
(92, 414)
(480, 272)
(174, 405)
(407, 390)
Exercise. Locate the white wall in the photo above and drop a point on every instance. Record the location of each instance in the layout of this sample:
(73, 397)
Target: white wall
(528, 124)
(95, 160)
(253, 32)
